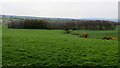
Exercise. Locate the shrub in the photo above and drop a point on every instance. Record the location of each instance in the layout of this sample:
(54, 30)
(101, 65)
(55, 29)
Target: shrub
(68, 31)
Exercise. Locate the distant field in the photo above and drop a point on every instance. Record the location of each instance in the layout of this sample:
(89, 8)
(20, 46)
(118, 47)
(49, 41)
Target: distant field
(26, 47)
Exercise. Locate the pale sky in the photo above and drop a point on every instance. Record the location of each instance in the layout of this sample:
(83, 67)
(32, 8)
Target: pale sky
(61, 8)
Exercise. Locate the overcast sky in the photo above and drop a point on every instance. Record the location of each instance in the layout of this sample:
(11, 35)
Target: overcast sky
(61, 8)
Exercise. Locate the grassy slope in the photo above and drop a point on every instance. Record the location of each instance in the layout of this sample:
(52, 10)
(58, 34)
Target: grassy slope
(53, 47)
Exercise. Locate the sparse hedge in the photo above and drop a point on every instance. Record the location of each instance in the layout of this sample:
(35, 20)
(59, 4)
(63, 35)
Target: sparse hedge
(71, 25)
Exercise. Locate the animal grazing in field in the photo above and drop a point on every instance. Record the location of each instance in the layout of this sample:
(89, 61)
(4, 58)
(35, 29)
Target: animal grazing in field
(84, 35)
(113, 38)
(109, 38)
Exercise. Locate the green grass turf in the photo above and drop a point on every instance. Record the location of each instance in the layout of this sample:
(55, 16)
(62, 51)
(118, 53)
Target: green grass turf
(26, 47)
(0, 45)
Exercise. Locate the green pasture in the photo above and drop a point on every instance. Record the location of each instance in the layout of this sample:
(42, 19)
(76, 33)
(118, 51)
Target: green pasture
(35, 47)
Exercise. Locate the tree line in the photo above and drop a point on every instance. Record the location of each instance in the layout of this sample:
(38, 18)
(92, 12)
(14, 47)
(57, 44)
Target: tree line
(70, 25)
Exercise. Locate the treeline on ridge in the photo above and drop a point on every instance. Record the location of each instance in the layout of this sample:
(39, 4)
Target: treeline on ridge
(70, 25)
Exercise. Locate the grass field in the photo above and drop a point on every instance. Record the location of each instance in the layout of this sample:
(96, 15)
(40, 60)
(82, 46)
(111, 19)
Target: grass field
(26, 47)
(0, 45)
(97, 34)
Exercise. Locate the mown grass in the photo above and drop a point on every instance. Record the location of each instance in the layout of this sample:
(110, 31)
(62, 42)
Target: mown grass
(29, 47)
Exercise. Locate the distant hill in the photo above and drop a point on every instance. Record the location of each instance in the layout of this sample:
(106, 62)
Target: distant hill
(19, 17)
(53, 19)
(114, 20)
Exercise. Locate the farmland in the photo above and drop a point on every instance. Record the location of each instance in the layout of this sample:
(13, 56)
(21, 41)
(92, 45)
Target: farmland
(38, 47)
